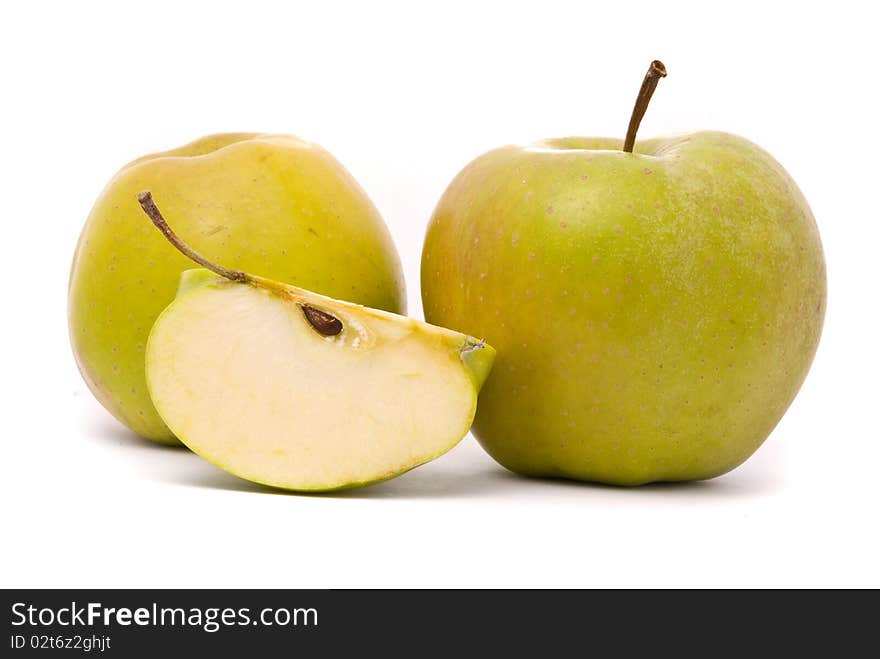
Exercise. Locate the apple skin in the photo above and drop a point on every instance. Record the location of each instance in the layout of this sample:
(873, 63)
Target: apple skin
(274, 205)
(654, 313)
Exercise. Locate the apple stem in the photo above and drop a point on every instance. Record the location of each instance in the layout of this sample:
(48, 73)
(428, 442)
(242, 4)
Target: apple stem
(146, 201)
(324, 323)
(656, 71)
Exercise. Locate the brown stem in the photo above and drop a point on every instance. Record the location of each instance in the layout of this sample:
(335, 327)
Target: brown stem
(324, 323)
(649, 84)
(152, 211)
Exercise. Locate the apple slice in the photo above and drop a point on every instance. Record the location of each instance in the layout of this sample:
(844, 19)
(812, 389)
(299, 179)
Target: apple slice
(289, 388)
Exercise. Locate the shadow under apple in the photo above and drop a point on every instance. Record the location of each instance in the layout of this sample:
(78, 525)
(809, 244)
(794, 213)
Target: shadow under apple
(465, 472)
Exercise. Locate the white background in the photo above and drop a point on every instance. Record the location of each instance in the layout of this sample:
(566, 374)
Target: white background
(404, 95)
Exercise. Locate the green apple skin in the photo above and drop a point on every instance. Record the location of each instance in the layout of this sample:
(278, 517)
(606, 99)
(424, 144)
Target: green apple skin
(654, 313)
(274, 205)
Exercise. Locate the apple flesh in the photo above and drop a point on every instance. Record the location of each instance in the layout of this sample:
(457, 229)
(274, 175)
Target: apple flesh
(242, 375)
(289, 388)
(272, 204)
(654, 312)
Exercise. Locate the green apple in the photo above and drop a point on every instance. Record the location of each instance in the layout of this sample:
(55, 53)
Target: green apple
(655, 312)
(285, 387)
(273, 204)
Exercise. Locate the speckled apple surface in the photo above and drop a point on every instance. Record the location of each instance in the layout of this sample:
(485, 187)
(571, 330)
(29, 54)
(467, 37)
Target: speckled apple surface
(274, 205)
(654, 313)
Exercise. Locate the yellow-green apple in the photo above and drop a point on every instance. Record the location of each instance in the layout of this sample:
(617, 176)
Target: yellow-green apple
(272, 204)
(285, 387)
(654, 312)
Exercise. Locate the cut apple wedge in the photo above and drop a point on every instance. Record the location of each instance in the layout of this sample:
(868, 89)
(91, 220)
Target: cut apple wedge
(288, 388)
